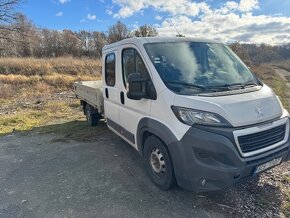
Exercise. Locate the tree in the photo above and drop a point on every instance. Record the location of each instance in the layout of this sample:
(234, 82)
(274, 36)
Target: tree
(242, 52)
(7, 16)
(71, 44)
(99, 40)
(85, 38)
(117, 32)
(25, 37)
(145, 31)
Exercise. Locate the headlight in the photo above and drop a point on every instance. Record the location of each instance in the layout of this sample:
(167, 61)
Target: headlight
(190, 117)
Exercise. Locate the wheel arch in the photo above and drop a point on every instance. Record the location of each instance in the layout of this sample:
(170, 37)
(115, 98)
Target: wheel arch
(147, 127)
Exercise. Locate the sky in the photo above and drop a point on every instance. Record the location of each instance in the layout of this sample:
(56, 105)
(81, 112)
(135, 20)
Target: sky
(258, 21)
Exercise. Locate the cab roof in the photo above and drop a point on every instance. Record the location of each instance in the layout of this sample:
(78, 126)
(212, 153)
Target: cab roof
(142, 40)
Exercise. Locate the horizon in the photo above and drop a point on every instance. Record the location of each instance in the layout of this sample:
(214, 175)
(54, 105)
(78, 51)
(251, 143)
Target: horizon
(246, 21)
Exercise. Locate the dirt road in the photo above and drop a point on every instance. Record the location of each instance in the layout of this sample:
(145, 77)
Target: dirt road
(50, 175)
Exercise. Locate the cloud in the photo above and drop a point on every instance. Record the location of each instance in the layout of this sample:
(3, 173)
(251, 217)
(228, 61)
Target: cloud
(158, 17)
(59, 14)
(91, 16)
(231, 27)
(64, 1)
(231, 21)
(130, 7)
(109, 10)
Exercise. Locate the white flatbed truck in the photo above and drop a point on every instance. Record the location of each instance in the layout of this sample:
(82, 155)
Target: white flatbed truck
(191, 108)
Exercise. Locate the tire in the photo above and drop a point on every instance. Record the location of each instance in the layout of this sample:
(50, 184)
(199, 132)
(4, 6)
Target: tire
(91, 116)
(158, 163)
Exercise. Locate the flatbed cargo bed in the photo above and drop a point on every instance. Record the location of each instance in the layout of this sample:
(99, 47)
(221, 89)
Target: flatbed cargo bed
(91, 92)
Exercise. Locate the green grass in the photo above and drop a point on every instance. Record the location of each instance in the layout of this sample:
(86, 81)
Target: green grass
(286, 205)
(280, 89)
(39, 115)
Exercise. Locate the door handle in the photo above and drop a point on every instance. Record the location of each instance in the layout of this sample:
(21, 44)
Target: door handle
(106, 92)
(122, 97)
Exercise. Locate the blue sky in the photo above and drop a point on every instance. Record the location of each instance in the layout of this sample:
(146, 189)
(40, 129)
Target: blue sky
(240, 20)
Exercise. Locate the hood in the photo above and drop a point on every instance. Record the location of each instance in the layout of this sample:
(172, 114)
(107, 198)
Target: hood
(239, 110)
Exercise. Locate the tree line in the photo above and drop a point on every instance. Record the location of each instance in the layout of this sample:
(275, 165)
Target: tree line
(23, 39)
(19, 37)
(253, 54)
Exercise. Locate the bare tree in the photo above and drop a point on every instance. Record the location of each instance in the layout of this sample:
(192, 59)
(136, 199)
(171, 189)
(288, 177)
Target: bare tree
(8, 15)
(145, 31)
(99, 40)
(117, 32)
(71, 44)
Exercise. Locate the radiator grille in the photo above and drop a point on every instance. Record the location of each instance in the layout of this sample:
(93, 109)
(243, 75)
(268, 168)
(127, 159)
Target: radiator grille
(262, 139)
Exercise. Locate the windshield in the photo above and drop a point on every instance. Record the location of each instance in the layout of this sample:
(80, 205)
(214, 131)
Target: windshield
(193, 67)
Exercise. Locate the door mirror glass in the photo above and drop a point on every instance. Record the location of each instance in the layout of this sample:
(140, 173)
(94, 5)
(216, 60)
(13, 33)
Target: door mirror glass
(136, 86)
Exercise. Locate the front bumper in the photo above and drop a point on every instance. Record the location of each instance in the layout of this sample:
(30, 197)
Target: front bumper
(207, 159)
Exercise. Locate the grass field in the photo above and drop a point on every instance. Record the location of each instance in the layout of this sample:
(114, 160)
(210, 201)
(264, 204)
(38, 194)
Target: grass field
(267, 74)
(35, 92)
(30, 77)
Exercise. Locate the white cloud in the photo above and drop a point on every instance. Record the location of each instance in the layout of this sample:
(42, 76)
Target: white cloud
(129, 7)
(248, 5)
(231, 27)
(59, 14)
(109, 10)
(158, 17)
(64, 1)
(233, 21)
(91, 16)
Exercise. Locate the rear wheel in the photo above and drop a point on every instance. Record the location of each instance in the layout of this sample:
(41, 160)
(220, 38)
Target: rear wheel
(91, 115)
(158, 163)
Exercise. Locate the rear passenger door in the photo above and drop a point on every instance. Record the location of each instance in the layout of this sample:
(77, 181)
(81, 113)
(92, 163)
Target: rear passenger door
(111, 94)
(132, 111)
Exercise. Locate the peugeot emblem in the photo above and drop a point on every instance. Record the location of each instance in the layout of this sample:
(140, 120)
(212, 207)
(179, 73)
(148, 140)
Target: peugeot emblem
(259, 112)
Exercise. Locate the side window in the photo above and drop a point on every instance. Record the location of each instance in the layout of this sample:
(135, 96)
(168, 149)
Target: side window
(133, 63)
(110, 73)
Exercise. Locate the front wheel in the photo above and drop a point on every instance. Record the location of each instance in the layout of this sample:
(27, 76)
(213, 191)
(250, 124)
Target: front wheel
(158, 163)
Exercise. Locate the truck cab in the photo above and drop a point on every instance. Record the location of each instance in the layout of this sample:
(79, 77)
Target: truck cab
(195, 112)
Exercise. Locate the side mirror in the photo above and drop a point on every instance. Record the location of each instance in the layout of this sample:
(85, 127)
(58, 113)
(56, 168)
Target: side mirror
(137, 87)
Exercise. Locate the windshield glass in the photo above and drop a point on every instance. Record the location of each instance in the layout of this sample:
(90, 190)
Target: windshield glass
(193, 67)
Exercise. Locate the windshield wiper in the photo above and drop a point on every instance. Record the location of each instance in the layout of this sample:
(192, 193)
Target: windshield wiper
(247, 84)
(235, 85)
(191, 85)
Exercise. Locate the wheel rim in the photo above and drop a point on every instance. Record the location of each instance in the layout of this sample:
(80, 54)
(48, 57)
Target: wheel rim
(157, 162)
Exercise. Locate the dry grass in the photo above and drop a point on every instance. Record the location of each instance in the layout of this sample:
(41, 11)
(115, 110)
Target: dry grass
(267, 74)
(284, 65)
(7, 91)
(35, 77)
(64, 65)
(29, 80)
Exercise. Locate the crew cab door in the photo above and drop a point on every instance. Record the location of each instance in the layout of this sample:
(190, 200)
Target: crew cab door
(110, 91)
(132, 111)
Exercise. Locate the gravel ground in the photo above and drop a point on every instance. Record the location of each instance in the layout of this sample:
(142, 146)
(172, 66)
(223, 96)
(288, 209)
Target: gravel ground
(49, 175)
